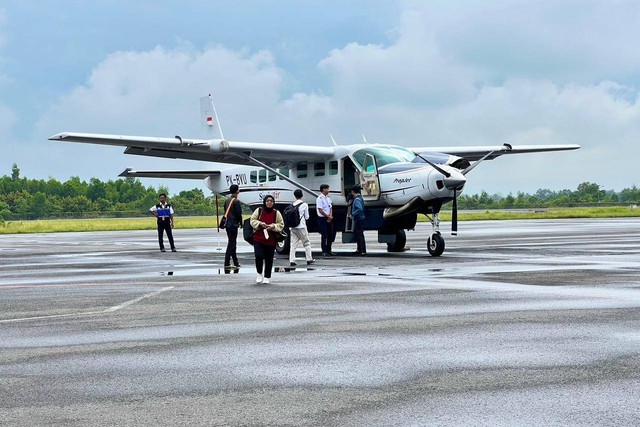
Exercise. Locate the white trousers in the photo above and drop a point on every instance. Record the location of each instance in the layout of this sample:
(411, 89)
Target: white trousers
(300, 235)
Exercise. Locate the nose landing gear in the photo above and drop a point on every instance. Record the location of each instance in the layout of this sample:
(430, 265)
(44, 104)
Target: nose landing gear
(435, 242)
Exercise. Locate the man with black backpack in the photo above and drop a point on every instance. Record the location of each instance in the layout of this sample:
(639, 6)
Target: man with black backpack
(295, 217)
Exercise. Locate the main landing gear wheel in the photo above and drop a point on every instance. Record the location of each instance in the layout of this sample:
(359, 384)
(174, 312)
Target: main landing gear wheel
(401, 241)
(435, 244)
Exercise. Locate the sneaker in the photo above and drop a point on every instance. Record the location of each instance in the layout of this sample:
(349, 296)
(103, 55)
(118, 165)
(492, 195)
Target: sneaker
(173, 250)
(238, 265)
(333, 254)
(259, 279)
(325, 254)
(163, 250)
(311, 261)
(293, 264)
(265, 281)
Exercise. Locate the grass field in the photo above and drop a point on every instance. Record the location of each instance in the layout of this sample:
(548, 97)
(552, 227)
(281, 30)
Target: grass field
(56, 226)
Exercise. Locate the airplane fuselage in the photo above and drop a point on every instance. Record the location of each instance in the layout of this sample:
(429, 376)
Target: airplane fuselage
(394, 193)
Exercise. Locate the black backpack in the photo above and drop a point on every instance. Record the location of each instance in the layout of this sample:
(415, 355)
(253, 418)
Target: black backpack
(291, 215)
(247, 229)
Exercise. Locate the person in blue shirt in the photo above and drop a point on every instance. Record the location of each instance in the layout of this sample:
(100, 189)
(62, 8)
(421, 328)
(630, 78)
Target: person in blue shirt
(358, 216)
(163, 211)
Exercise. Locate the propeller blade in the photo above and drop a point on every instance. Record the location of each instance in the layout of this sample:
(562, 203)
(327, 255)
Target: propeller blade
(454, 214)
(433, 165)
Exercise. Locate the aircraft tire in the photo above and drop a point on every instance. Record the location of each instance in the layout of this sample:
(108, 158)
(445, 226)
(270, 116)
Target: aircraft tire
(400, 243)
(435, 245)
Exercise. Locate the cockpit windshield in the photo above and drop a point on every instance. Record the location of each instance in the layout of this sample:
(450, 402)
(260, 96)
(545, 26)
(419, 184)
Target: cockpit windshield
(385, 155)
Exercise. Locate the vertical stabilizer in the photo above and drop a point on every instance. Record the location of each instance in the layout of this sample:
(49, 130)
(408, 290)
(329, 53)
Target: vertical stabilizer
(209, 118)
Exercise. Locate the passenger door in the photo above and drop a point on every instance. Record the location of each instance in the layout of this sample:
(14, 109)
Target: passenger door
(370, 180)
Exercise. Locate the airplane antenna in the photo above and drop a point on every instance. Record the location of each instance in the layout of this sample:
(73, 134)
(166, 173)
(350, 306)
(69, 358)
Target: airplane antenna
(364, 138)
(333, 140)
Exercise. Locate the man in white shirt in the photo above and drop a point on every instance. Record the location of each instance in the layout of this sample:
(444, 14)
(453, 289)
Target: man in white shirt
(299, 232)
(324, 209)
(164, 212)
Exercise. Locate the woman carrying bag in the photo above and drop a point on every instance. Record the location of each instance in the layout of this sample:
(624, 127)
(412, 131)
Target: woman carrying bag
(266, 222)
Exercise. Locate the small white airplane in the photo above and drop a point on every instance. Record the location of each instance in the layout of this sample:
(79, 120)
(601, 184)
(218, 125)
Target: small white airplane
(397, 183)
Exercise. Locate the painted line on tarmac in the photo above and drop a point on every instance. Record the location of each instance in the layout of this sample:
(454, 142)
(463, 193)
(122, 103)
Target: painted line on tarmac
(91, 313)
(133, 301)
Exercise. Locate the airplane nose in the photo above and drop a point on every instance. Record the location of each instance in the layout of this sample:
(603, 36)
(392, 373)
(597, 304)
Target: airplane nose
(456, 181)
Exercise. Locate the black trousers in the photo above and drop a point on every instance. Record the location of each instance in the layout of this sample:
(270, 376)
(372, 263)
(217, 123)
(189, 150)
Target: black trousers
(232, 244)
(162, 227)
(264, 256)
(358, 229)
(327, 234)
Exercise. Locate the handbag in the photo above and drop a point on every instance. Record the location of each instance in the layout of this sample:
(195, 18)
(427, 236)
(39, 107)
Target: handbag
(223, 222)
(281, 236)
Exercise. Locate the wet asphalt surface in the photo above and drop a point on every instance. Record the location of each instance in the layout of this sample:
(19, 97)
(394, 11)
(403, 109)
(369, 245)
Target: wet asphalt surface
(518, 323)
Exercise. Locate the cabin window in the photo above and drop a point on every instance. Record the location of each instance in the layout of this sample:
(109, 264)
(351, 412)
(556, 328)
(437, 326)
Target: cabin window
(318, 169)
(301, 170)
(272, 176)
(333, 167)
(284, 171)
(253, 176)
(262, 175)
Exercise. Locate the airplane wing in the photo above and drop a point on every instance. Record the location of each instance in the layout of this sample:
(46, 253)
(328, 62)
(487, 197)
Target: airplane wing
(130, 173)
(472, 153)
(214, 150)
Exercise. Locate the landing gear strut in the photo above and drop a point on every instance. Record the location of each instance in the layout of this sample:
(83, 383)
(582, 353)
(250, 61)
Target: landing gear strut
(435, 242)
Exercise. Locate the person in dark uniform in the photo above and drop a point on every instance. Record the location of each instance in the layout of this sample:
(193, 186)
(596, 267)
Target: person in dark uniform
(164, 213)
(233, 214)
(357, 213)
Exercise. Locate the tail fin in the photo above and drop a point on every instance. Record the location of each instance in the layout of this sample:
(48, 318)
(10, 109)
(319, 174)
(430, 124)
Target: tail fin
(209, 118)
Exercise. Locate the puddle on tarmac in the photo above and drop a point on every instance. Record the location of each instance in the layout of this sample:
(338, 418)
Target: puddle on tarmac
(214, 271)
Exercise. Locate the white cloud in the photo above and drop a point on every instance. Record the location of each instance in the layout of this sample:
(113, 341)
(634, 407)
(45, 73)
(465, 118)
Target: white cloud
(158, 90)
(412, 70)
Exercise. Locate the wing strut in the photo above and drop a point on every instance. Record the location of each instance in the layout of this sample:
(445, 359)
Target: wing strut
(283, 176)
(505, 147)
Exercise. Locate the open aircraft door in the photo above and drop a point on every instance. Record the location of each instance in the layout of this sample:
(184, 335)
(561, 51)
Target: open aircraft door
(370, 179)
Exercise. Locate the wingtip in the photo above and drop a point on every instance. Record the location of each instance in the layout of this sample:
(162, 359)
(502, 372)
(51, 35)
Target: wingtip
(57, 137)
(125, 173)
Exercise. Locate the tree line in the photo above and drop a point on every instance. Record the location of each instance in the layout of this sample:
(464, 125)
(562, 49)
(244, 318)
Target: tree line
(22, 198)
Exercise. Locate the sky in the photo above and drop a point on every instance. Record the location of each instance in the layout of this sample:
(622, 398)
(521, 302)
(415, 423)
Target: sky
(411, 73)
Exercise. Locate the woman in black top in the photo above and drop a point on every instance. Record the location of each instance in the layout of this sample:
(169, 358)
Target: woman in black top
(234, 220)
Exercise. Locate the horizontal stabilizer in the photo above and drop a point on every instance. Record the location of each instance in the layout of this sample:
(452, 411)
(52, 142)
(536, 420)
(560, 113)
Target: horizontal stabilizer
(130, 173)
